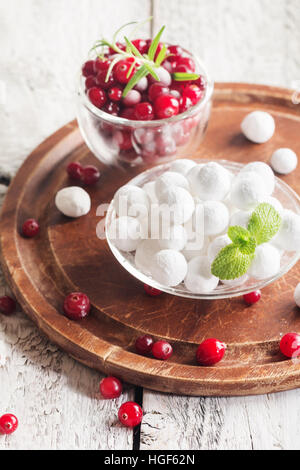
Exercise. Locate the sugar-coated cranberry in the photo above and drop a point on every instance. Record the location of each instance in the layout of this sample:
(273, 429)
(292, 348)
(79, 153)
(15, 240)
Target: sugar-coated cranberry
(143, 345)
(90, 82)
(112, 108)
(163, 75)
(90, 175)
(105, 82)
(123, 140)
(141, 45)
(130, 414)
(115, 94)
(7, 305)
(157, 89)
(128, 113)
(88, 68)
(8, 423)
(132, 98)
(162, 350)
(176, 52)
(77, 306)
(166, 106)
(30, 228)
(187, 62)
(111, 388)
(152, 291)
(252, 297)
(210, 352)
(185, 103)
(194, 93)
(290, 345)
(144, 111)
(97, 97)
(101, 64)
(74, 170)
(121, 71)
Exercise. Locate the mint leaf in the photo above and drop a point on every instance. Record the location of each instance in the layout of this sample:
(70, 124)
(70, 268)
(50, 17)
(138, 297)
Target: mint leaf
(264, 223)
(231, 263)
(243, 239)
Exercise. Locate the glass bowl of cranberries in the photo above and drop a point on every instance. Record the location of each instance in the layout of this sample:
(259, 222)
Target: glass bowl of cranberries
(143, 102)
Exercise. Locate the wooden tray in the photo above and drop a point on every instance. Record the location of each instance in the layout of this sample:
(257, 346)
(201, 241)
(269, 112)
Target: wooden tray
(68, 256)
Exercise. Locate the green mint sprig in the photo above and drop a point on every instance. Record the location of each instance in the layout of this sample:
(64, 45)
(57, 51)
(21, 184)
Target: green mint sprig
(234, 260)
(146, 64)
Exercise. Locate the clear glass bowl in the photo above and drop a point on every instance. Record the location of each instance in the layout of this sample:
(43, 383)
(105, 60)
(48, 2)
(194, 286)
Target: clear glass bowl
(283, 192)
(152, 142)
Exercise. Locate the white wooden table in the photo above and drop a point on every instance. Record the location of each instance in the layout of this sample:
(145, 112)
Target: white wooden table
(42, 46)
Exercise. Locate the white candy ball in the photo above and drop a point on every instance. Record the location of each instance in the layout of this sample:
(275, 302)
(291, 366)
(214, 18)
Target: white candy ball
(144, 255)
(131, 201)
(199, 278)
(192, 174)
(284, 161)
(210, 182)
(240, 218)
(264, 171)
(168, 179)
(258, 126)
(216, 246)
(175, 238)
(248, 190)
(182, 166)
(149, 189)
(125, 233)
(266, 262)
(297, 295)
(216, 217)
(180, 205)
(168, 267)
(193, 249)
(73, 201)
(288, 236)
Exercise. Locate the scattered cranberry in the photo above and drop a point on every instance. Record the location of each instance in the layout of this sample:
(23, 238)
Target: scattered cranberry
(290, 345)
(8, 424)
(77, 306)
(130, 414)
(90, 175)
(162, 350)
(252, 297)
(152, 291)
(88, 68)
(74, 170)
(97, 96)
(122, 69)
(115, 94)
(7, 305)
(143, 345)
(30, 228)
(111, 387)
(166, 106)
(210, 352)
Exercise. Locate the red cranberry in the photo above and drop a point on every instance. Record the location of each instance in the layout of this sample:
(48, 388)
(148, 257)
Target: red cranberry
(176, 52)
(169, 66)
(133, 98)
(152, 291)
(194, 93)
(210, 352)
(74, 170)
(123, 140)
(105, 82)
(8, 423)
(252, 297)
(115, 94)
(128, 113)
(90, 82)
(141, 45)
(130, 414)
(111, 387)
(166, 106)
(200, 82)
(144, 112)
(143, 345)
(162, 350)
(7, 305)
(156, 90)
(187, 62)
(185, 103)
(178, 86)
(88, 68)
(101, 64)
(112, 108)
(121, 71)
(77, 306)
(90, 175)
(290, 345)
(30, 228)
(120, 46)
(97, 97)
(182, 68)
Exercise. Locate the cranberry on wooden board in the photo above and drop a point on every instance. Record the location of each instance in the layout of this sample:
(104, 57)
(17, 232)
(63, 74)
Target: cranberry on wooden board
(151, 291)
(74, 170)
(30, 228)
(111, 387)
(290, 345)
(90, 175)
(210, 352)
(8, 423)
(143, 345)
(252, 297)
(130, 414)
(76, 306)
(162, 350)
(7, 305)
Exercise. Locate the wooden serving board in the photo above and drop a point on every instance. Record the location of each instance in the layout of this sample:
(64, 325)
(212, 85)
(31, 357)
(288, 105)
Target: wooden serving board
(68, 256)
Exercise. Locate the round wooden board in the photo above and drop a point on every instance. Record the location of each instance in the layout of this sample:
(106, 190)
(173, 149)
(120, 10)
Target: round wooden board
(68, 256)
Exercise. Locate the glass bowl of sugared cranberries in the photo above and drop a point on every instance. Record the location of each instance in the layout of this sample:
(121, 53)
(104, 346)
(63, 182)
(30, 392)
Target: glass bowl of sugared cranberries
(127, 113)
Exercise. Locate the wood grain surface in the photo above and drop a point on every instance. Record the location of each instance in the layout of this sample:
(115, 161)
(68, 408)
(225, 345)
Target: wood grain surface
(42, 271)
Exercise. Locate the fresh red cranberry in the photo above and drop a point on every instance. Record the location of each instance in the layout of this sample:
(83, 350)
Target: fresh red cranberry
(130, 414)
(101, 64)
(115, 94)
(290, 345)
(200, 82)
(77, 306)
(252, 297)
(97, 97)
(7, 305)
(210, 352)
(162, 350)
(88, 68)
(176, 52)
(194, 93)
(144, 111)
(187, 62)
(156, 90)
(182, 68)
(152, 291)
(112, 108)
(30, 228)
(185, 103)
(90, 82)
(74, 170)
(8, 423)
(141, 45)
(143, 345)
(123, 140)
(128, 113)
(166, 106)
(105, 82)
(178, 86)
(132, 98)
(122, 69)
(111, 387)
(90, 175)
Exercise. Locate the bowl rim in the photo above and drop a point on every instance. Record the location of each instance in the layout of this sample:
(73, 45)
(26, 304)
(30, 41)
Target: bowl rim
(222, 293)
